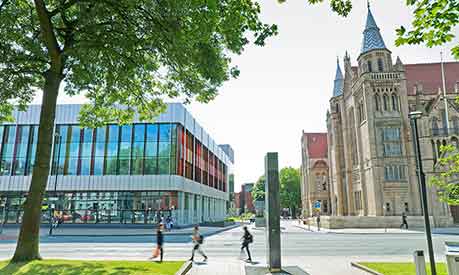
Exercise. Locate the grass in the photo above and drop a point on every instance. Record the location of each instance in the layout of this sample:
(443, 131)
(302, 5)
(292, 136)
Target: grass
(69, 267)
(402, 268)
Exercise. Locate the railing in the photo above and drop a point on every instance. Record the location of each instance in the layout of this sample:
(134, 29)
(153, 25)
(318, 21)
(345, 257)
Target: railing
(384, 76)
(445, 131)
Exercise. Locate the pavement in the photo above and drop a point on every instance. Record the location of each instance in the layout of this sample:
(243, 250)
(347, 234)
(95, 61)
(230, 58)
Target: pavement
(12, 232)
(316, 253)
(363, 231)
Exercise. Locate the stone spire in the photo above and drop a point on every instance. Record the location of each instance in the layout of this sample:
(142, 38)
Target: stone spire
(339, 81)
(372, 38)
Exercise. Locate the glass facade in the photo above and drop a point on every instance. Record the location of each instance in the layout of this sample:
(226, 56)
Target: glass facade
(137, 149)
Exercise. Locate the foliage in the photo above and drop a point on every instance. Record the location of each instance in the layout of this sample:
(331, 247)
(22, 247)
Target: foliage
(68, 267)
(445, 181)
(434, 23)
(258, 190)
(129, 53)
(341, 7)
(402, 268)
(290, 189)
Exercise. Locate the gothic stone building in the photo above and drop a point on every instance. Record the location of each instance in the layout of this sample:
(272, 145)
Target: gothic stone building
(314, 174)
(370, 148)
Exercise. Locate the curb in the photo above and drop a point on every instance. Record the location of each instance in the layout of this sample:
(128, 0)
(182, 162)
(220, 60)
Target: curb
(185, 268)
(146, 235)
(364, 268)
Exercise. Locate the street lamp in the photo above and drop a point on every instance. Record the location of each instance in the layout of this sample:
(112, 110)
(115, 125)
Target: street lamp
(414, 116)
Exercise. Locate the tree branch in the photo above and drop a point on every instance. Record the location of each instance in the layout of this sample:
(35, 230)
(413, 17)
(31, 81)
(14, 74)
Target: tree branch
(49, 36)
(63, 7)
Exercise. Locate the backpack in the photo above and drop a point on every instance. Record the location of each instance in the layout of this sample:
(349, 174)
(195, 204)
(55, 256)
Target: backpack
(250, 238)
(201, 239)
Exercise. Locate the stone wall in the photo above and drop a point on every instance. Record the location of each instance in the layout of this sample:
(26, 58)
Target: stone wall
(340, 222)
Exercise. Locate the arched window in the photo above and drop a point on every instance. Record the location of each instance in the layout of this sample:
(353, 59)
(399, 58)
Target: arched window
(377, 102)
(435, 126)
(385, 102)
(438, 148)
(394, 102)
(369, 66)
(455, 142)
(434, 152)
(456, 124)
(380, 65)
(337, 108)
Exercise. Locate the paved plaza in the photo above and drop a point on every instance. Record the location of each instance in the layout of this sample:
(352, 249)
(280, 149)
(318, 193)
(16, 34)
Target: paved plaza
(317, 253)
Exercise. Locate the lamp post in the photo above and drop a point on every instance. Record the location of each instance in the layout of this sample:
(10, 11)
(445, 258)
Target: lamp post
(57, 143)
(414, 116)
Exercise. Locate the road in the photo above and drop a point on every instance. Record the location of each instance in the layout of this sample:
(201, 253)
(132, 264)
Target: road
(298, 246)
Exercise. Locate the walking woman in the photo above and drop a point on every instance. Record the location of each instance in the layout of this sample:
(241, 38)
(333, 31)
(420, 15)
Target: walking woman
(246, 240)
(159, 244)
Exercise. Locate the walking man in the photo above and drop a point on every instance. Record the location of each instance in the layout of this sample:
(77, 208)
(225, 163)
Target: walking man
(318, 222)
(404, 221)
(159, 244)
(246, 240)
(197, 240)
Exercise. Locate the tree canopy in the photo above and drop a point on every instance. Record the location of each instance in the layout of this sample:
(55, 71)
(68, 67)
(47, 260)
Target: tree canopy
(448, 168)
(290, 189)
(258, 190)
(129, 53)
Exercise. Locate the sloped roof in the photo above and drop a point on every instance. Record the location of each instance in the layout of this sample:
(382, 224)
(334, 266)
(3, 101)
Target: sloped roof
(372, 38)
(317, 144)
(429, 76)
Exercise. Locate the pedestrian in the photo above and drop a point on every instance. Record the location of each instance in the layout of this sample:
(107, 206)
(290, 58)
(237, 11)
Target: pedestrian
(318, 222)
(197, 240)
(404, 221)
(158, 251)
(246, 240)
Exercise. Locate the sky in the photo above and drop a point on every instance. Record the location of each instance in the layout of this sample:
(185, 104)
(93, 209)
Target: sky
(285, 86)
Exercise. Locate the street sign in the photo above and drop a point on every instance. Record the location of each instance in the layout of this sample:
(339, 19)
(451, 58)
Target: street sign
(317, 205)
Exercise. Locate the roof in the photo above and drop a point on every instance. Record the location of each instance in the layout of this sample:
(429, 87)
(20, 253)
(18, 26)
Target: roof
(317, 144)
(372, 38)
(339, 81)
(429, 76)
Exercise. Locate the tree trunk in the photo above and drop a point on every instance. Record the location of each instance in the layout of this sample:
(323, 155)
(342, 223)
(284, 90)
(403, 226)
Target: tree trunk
(27, 247)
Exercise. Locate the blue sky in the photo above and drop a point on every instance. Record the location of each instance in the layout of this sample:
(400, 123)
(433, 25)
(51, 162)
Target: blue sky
(285, 87)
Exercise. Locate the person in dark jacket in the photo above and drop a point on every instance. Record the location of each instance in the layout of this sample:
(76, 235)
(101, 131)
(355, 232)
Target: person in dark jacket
(159, 244)
(246, 240)
(404, 221)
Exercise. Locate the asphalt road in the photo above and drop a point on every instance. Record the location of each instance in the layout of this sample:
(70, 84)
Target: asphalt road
(295, 242)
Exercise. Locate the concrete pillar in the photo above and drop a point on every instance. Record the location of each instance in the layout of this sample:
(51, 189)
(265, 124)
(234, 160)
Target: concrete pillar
(272, 202)
(180, 208)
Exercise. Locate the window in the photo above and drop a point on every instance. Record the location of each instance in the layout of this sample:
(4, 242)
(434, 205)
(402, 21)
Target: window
(394, 173)
(391, 142)
(386, 102)
(22, 142)
(369, 66)
(6, 156)
(377, 103)
(434, 151)
(138, 149)
(395, 102)
(112, 150)
(380, 65)
(99, 150)
(358, 200)
(407, 209)
(86, 151)
(325, 206)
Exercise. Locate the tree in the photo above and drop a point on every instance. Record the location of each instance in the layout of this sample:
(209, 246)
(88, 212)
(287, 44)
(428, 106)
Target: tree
(290, 189)
(126, 56)
(258, 190)
(448, 167)
(434, 24)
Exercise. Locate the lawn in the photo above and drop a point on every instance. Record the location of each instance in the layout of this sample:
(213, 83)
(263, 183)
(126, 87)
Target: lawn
(68, 267)
(402, 268)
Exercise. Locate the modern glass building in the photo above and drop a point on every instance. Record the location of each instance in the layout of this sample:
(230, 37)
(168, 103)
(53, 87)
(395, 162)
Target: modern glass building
(117, 174)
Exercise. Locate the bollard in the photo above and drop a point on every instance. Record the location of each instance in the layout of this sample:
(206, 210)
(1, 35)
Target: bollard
(452, 257)
(420, 262)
